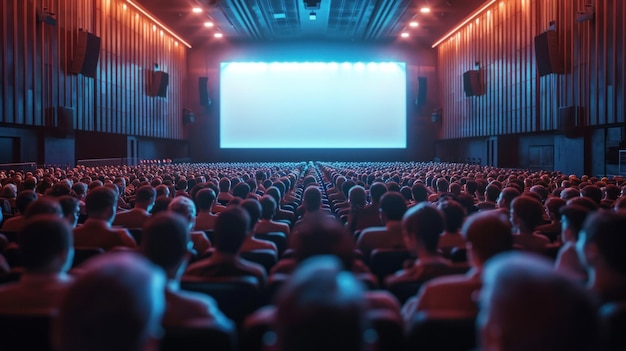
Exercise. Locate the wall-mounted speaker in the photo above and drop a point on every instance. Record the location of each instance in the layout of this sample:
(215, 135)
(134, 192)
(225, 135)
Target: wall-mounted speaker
(159, 84)
(547, 53)
(571, 121)
(86, 53)
(188, 116)
(471, 83)
(422, 91)
(203, 91)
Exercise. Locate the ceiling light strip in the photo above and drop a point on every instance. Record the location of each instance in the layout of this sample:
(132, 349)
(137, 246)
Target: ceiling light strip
(147, 14)
(466, 21)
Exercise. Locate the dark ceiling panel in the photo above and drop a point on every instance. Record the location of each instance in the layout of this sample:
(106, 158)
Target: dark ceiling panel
(354, 20)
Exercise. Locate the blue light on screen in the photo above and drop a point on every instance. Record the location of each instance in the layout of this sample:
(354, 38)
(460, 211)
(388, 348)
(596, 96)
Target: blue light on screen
(313, 105)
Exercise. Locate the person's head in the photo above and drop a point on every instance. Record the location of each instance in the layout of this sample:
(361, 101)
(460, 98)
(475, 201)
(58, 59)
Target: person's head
(268, 207)
(569, 193)
(312, 199)
(322, 307)
(320, 234)
(165, 242)
(422, 224)
(553, 206)
(71, 209)
(182, 184)
(231, 228)
(392, 206)
(420, 192)
(275, 193)
(46, 244)
(184, 206)
(492, 192)
(486, 234)
(526, 305)
(572, 219)
(241, 191)
(454, 214)
(592, 192)
(377, 189)
(145, 197)
(162, 190)
(116, 304)
(506, 197)
(526, 213)
(253, 207)
(160, 204)
(224, 185)
(357, 197)
(24, 198)
(101, 203)
(44, 205)
(602, 244)
(205, 198)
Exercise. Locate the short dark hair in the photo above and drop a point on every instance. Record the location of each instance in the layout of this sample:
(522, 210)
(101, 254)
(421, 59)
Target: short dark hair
(164, 239)
(425, 223)
(205, 198)
(606, 230)
(43, 205)
(44, 238)
(145, 193)
(253, 207)
(268, 207)
(231, 229)
(24, 198)
(454, 214)
(392, 204)
(377, 189)
(489, 232)
(100, 199)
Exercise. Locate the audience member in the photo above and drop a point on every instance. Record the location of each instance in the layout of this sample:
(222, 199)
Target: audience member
(138, 215)
(392, 208)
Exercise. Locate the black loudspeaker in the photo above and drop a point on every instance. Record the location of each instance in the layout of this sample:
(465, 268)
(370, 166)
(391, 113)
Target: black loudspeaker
(86, 53)
(571, 121)
(549, 59)
(188, 116)
(159, 84)
(422, 91)
(203, 91)
(471, 83)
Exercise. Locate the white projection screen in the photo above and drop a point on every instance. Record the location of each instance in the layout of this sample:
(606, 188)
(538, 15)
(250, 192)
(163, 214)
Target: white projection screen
(313, 105)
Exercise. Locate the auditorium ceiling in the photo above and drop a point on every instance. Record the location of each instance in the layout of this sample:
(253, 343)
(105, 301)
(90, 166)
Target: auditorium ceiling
(340, 20)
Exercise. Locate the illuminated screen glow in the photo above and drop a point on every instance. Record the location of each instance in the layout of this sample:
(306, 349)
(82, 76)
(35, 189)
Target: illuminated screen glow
(313, 105)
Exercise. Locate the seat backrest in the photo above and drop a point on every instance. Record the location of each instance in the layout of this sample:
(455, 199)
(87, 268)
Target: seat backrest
(197, 338)
(266, 258)
(25, 332)
(433, 332)
(384, 262)
(236, 296)
(279, 239)
(82, 254)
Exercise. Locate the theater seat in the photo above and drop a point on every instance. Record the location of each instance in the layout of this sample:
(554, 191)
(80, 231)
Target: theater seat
(279, 239)
(237, 297)
(383, 262)
(197, 337)
(25, 332)
(450, 332)
(266, 258)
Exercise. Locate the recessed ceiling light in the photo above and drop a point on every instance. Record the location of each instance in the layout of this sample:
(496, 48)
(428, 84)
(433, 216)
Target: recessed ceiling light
(425, 10)
(280, 15)
(208, 24)
(218, 35)
(312, 16)
(404, 35)
(414, 24)
(197, 10)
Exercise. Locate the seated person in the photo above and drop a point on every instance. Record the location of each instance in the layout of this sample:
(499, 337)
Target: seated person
(138, 215)
(601, 246)
(253, 207)
(231, 230)
(116, 304)
(321, 307)
(166, 243)
(526, 215)
(70, 206)
(422, 225)
(224, 196)
(392, 208)
(454, 214)
(101, 205)
(526, 305)
(46, 254)
(267, 224)
(567, 260)
(183, 206)
(370, 215)
(487, 234)
(17, 222)
(553, 206)
(205, 220)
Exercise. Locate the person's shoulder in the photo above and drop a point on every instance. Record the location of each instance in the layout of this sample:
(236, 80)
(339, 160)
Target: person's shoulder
(371, 230)
(445, 282)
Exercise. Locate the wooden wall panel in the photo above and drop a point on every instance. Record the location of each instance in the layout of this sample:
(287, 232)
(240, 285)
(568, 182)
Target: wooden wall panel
(516, 100)
(35, 63)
